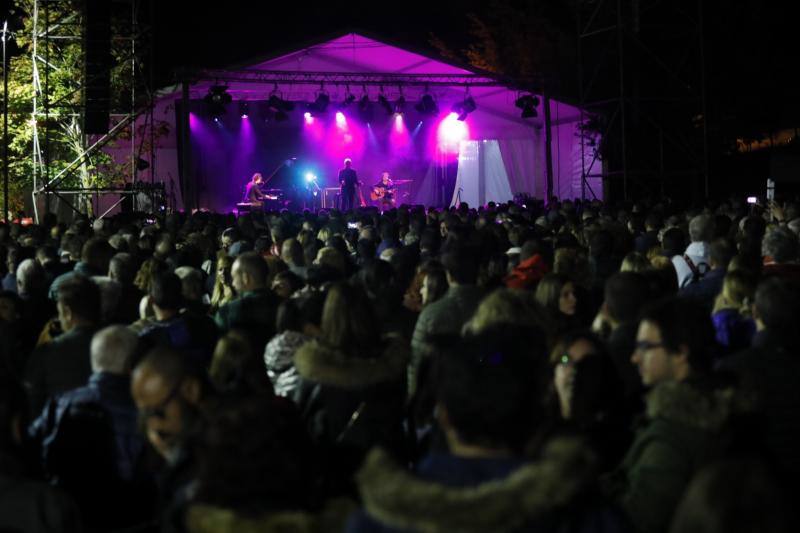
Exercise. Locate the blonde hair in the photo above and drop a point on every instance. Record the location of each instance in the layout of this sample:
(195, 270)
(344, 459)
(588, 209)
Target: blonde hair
(144, 277)
(222, 292)
(738, 292)
(635, 262)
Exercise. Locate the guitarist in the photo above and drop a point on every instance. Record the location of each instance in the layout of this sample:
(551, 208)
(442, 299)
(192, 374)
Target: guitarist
(383, 191)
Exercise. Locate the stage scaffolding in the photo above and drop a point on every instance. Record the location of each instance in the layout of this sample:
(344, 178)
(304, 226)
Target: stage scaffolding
(642, 87)
(50, 113)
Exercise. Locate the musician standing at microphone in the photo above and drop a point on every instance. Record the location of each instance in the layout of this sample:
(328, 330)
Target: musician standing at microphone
(348, 182)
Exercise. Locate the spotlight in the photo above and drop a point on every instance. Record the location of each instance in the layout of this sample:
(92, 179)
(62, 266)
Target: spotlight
(385, 104)
(464, 108)
(244, 109)
(218, 94)
(427, 105)
(277, 103)
(400, 104)
(217, 98)
(527, 103)
(321, 103)
(310, 177)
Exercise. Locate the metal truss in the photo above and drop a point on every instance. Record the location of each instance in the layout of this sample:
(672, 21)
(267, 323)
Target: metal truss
(641, 78)
(344, 78)
(47, 33)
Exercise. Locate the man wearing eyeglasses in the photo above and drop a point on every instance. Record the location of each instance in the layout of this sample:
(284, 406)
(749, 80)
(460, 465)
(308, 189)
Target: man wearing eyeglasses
(167, 390)
(686, 413)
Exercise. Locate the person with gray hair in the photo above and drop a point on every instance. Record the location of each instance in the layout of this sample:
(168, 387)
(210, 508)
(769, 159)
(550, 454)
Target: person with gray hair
(37, 309)
(112, 348)
(30, 277)
(781, 250)
(107, 394)
(695, 261)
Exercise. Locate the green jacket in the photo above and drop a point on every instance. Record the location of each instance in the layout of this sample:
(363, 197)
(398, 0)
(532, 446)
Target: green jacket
(682, 433)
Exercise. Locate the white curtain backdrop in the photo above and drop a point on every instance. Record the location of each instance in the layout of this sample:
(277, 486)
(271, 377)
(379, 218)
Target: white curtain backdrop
(523, 163)
(481, 175)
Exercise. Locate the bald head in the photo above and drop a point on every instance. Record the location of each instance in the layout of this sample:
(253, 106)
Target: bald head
(249, 273)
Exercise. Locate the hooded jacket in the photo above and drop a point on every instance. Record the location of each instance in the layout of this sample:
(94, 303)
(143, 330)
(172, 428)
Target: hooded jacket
(684, 426)
(350, 403)
(496, 495)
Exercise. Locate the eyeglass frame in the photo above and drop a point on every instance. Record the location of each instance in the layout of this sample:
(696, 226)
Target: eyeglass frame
(160, 410)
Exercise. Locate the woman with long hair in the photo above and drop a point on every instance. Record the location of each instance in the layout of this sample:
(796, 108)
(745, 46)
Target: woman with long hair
(556, 293)
(352, 382)
(223, 283)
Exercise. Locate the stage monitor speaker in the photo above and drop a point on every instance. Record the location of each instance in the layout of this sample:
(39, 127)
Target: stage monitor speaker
(97, 66)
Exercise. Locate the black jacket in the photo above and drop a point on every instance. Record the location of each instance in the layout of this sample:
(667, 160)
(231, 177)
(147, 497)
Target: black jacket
(351, 404)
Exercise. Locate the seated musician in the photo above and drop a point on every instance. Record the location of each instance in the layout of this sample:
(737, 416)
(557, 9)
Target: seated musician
(253, 194)
(384, 191)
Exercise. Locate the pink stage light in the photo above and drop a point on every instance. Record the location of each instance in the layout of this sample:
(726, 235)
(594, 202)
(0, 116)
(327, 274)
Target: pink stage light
(451, 132)
(341, 120)
(398, 122)
(308, 117)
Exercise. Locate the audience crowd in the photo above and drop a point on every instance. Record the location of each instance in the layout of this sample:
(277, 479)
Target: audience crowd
(570, 367)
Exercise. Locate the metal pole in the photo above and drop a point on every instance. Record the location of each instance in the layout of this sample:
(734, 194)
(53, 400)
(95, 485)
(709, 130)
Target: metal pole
(548, 148)
(623, 122)
(703, 93)
(5, 125)
(186, 155)
(581, 102)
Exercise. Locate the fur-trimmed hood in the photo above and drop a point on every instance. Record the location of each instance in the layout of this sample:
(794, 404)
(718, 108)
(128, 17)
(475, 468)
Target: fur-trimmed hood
(202, 518)
(695, 406)
(399, 499)
(322, 363)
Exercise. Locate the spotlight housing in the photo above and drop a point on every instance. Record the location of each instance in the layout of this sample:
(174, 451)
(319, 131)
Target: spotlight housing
(217, 98)
(320, 105)
(527, 103)
(427, 105)
(385, 104)
(400, 104)
(464, 108)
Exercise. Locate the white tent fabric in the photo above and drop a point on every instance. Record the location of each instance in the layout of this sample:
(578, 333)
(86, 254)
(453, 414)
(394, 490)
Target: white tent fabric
(482, 175)
(514, 152)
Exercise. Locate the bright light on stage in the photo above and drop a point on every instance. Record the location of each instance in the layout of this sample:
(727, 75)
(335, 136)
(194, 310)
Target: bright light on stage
(310, 177)
(398, 121)
(341, 120)
(451, 132)
(308, 117)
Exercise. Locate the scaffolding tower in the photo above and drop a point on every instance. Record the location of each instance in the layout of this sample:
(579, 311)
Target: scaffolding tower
(56, 24)
(642, 88)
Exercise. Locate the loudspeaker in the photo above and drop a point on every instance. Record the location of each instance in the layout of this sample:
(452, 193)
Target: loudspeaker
(97, 66)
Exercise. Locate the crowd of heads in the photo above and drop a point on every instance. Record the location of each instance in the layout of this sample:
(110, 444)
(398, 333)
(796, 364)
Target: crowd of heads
(254, 364)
